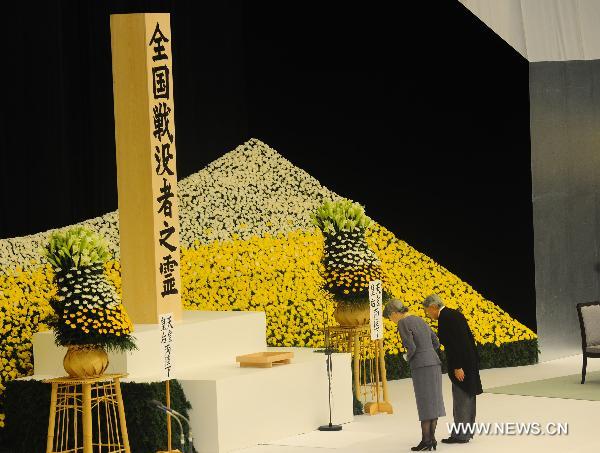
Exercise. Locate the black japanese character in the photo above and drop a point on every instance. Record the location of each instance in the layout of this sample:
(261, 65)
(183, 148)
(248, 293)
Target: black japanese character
(165, 234)
(161, 121)
(160, 82)
(159, 49)
(166, 205)
(162, 156)
(166, 269)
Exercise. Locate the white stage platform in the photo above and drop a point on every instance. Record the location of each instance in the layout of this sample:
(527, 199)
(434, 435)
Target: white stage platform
(232, 407)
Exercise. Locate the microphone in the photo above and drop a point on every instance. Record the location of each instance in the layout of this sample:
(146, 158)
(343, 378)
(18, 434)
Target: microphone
(164, 408)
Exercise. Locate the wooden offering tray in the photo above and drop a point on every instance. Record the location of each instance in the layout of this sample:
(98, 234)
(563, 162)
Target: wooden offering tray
(264, 359)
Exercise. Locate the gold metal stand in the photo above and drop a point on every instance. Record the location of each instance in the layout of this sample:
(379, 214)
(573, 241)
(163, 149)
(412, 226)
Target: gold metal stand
(368, 359)
(379, 406)
(87, 416)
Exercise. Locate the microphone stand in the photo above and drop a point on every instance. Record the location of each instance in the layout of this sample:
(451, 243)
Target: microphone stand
(178, 417)
(328, 351)
(187, 421)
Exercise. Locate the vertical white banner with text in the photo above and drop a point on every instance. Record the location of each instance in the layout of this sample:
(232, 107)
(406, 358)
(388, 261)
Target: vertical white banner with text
(375, 302)
(167, 344)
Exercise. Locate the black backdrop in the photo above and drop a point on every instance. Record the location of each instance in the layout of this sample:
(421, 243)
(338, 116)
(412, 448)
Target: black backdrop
(419, 113)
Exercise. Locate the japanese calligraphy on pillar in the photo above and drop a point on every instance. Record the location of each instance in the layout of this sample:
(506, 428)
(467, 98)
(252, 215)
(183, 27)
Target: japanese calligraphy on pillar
(164, 175)
(146, 165)
(375, 302)
(167, 340)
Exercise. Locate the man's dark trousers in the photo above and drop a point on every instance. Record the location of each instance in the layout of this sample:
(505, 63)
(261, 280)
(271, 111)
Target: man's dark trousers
(463, 410)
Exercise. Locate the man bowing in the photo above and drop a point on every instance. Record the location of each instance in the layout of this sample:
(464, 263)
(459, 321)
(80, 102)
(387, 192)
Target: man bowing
(463, 366)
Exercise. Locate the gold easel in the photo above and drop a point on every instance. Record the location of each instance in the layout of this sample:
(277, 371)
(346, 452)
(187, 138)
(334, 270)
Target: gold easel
(368, 360)
(73, 404)
(379, 406)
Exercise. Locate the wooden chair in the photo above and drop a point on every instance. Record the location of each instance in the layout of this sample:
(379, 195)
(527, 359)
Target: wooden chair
(589, 323)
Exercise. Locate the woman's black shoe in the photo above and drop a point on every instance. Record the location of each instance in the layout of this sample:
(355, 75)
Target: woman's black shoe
(424, 446)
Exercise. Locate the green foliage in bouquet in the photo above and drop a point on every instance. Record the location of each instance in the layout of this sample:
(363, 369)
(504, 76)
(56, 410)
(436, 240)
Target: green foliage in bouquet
(76, 247)
(342, 216)
(87, 308)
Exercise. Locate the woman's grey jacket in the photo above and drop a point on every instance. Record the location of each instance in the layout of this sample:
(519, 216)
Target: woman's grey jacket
(420, 342)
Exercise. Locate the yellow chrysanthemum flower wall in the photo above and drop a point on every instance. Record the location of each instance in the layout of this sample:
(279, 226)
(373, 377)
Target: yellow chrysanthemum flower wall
(282, 276)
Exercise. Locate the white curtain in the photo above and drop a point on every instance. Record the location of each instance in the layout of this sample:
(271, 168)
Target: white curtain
(544, 30)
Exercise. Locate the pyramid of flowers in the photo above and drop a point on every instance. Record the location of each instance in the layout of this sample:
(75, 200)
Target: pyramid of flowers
(249, 243)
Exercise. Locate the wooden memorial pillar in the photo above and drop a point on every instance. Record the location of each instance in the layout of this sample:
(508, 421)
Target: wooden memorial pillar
(146, 170)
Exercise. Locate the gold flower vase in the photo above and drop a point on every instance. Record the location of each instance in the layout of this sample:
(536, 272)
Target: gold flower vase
(85, 361)
(351, 315)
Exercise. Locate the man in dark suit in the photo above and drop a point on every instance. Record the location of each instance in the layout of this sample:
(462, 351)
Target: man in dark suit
(463, 365)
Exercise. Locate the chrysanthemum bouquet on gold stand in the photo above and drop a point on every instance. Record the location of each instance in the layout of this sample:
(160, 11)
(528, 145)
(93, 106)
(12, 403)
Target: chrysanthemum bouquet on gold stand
(88, 315)
(349, 264)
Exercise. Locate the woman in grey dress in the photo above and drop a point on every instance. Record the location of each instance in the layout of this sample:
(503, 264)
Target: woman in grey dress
(425, 367)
